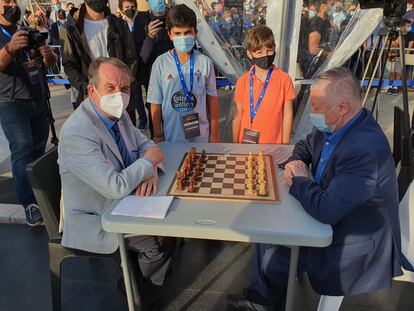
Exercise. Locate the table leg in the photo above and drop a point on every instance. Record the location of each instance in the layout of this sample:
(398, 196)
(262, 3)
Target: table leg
(293, 267)
(125, 272)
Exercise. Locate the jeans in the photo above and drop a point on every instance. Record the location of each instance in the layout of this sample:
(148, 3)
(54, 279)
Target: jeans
(26, 128)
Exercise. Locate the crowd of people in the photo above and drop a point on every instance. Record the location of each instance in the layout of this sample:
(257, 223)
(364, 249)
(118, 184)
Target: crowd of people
(103, 156)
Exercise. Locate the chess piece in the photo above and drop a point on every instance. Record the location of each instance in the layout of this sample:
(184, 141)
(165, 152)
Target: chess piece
(180, 184)
(263, 188)
(191, 186)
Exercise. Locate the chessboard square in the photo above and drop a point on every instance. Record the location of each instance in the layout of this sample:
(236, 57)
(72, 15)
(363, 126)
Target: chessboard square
(216, 190)
(239, 181)
(219, 171)
(240, 176)
(219, 175)
(210, 165)
(218, 180)
(221, 161)
(240, 162)
(228, 180)
(231, 158)
(220, 166)
(205, 184)
(239, 186)
(230, 167)
(238, 191)
(228, 186)
(240, 171)
(216, 185)
(230, 171)
(227, 191)
(204, 190)
(208, 174)
(229, 175)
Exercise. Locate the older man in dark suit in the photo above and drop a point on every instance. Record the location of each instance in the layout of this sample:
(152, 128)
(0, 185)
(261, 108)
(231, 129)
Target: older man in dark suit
(354, 189)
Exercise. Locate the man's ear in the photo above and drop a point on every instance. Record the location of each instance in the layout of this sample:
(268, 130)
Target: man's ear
(90, 89)
(344, 106)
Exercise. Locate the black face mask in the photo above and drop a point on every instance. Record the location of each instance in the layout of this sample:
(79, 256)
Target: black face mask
(98, 6)
(264, 62)
(12, 14)
(130, 13)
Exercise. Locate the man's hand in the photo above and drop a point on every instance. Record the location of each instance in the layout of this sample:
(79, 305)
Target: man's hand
(149, 186)
(295, 169)
(154, 27)
(18, 42)
(154, 154)
(47, 53)
(158, 139)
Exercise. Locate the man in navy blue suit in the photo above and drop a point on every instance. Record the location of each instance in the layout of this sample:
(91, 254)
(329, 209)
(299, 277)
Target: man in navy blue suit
(353, 188)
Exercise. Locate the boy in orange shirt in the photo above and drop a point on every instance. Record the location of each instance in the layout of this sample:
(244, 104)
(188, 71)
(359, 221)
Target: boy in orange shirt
(264, 95)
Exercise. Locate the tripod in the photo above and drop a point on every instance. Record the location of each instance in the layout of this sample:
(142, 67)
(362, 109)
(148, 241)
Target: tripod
(46, 95)
(402, 132)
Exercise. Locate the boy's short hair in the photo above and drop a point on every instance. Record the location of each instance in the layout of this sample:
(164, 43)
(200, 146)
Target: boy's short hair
(181, 16)
(121, 3)
(258, 37)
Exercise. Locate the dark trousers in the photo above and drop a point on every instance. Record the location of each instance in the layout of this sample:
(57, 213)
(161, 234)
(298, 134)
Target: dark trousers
(270, 270)
(154, 256)
(26, 128)
(138, 102)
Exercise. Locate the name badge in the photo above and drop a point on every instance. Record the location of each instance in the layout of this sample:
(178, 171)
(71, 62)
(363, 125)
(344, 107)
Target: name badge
(250, 136)
(32, 71)
(191, 125)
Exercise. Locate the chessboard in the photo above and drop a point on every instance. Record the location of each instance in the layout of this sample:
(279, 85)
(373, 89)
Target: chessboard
(225, 177)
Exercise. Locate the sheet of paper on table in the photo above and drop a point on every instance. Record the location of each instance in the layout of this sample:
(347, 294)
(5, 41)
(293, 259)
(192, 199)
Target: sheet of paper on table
(149, 207)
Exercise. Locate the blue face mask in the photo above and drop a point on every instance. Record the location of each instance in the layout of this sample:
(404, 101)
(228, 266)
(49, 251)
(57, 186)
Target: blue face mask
(184, 44)
(157, 6)
(318, 121)
(312, 14)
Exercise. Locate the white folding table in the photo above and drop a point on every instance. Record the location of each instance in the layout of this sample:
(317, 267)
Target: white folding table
(285, 224)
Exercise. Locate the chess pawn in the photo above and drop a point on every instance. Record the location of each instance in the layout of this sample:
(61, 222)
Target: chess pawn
(263, 188)
(180, 184)
(191, 187)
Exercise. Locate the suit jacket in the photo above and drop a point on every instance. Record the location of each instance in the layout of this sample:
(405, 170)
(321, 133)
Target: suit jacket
(93, 176)
(54, 33)
(358, 196)
(76, 55)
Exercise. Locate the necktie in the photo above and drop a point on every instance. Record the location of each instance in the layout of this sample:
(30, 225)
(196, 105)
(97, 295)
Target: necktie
(121, 145)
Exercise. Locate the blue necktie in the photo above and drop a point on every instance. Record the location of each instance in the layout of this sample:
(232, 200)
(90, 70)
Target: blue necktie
(121, 145)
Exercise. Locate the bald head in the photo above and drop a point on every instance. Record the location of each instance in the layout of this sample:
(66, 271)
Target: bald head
(337, 94)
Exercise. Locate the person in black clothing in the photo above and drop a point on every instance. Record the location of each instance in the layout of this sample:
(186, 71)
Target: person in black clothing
(23, 96)
(151, 40)
(320, 28)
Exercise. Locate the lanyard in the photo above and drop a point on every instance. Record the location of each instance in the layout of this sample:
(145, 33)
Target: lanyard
(184, 85)
(254, 109)
(8, 34)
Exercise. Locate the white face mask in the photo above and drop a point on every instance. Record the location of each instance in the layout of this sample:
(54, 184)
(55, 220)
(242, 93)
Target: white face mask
(114, 104)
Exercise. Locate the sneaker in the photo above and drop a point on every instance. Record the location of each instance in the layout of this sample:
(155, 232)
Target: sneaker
(142, 126)
(33, 215)
(390, 91)
(396, 91)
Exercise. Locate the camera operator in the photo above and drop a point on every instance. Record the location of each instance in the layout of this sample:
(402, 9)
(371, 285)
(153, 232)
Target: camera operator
(23, 96)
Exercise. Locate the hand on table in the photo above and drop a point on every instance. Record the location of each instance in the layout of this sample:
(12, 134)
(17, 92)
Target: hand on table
(295, 169)
(149, 186)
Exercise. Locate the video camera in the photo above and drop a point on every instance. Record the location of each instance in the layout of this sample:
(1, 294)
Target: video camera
(394, 10)
(36, 38)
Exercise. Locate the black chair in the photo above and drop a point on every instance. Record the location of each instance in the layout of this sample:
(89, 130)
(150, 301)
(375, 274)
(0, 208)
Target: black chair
(96, 269)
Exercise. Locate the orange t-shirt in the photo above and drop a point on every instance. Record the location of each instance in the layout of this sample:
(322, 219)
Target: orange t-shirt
(269, 117)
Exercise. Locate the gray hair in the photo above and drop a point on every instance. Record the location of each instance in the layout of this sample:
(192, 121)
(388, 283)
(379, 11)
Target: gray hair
(93, 70)
(342, 82)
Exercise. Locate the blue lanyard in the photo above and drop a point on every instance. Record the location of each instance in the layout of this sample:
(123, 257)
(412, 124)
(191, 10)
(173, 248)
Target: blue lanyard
(254, 109)
(184, 85)
(8, 34)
